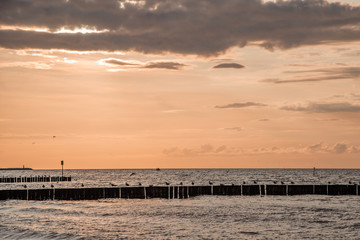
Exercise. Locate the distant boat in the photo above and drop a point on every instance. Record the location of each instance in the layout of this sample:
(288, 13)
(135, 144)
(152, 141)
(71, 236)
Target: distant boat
(158, 169)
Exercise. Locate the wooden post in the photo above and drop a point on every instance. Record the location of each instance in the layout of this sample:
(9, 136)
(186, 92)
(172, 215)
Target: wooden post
(62, 169)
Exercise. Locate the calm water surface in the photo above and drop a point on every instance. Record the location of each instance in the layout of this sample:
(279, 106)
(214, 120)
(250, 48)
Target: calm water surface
(204, 217)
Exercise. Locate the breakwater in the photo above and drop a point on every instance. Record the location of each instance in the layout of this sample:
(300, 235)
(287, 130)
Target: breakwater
(175, 192)
(34, 179)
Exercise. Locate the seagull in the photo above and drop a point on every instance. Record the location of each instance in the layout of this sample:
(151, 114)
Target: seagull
(167, 183)
(127, 184)
(210, 182)
(132, 174)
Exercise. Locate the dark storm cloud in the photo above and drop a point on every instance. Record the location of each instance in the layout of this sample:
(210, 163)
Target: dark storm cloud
(229, 65)
(242, 105)
(165, 65)
(324, 107)
(207, 27)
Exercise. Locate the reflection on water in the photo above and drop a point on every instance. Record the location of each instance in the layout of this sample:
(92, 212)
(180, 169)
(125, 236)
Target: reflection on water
(205, 217)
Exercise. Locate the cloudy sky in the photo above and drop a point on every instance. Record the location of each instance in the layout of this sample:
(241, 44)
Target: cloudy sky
(180, 83)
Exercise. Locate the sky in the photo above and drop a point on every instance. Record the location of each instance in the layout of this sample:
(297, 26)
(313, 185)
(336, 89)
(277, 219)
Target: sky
(179, 84)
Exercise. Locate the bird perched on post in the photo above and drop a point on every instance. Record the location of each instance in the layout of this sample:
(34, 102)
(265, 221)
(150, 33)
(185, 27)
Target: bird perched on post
(210, 182)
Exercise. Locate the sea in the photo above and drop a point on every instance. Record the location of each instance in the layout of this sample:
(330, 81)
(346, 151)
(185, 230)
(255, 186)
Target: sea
(202, 217)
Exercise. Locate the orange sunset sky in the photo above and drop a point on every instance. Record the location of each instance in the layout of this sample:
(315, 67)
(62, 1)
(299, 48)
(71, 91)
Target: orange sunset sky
(180, 84)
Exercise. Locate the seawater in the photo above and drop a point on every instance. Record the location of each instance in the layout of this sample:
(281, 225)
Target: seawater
(203, 217)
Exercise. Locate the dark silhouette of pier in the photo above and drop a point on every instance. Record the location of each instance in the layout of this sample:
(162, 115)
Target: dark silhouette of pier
(176, 192)
(34, 179)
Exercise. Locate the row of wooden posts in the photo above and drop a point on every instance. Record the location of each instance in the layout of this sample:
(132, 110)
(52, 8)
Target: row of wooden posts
(34, 179)
(175, 192)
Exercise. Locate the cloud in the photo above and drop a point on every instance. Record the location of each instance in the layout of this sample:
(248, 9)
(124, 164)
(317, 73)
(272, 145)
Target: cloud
(29, 64)
(165, 65)
(324, 107)
(227, 151)
(179, 26)
(242, 105)
(137, 64)
(119, 62)
(319, 75)
(229, 65)
(238, 129)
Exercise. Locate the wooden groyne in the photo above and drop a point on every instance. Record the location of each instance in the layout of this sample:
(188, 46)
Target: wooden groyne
(34, 179)
(175, 192)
